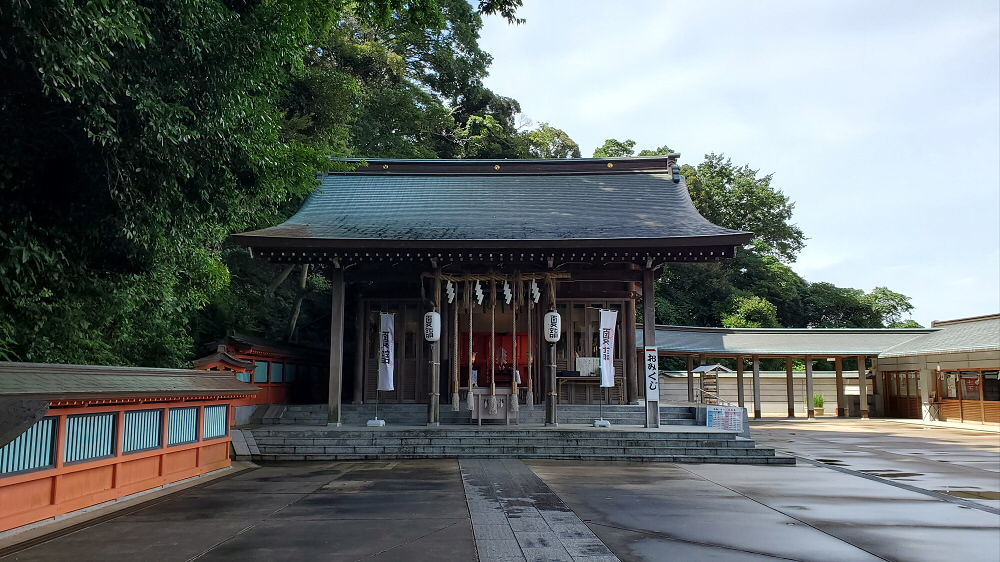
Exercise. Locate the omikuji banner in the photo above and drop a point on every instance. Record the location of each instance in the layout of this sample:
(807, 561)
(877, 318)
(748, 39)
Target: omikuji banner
(608, 320)
(387, 351)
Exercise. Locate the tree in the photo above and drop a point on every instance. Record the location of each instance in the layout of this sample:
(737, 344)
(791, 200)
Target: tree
(736, 197)
(138, 135)
(890, 306)
(614, 148)
(660, 151)
(549, 142)
(751, 312)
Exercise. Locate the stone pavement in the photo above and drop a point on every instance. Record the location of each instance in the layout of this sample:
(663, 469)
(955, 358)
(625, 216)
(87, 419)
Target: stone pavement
(957, 462)
(516, 517)
(444, 510)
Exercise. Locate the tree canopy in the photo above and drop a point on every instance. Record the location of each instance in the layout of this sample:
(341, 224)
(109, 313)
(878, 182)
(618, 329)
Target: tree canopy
(139, 135)
(758, 288)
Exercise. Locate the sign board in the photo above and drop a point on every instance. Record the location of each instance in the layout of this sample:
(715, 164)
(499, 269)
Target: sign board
(587, 366)
(652, 385)
(729, 418)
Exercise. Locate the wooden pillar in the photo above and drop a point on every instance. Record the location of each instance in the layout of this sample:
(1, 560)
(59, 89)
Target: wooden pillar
(434, 396)
(360, 323)
(690, 378)
(740, 394)
(862, 387)
(756, 387)
(982, 399)
(790, 386)
(649, 336)
(551, 387)
(841, 399)
(810, 407)
(632, 374)
(336, 346)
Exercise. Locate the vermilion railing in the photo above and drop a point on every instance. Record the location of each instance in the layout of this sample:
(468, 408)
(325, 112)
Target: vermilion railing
(76, 457)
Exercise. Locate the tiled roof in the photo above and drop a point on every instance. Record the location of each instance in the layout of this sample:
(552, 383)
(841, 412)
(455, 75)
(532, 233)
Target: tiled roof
(780, 341)
(40, 380)
(539, 203)
(981, 334)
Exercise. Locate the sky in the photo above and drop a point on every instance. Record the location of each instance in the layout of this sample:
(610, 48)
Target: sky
(880, 119)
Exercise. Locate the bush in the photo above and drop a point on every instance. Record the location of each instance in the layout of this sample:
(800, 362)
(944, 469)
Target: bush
(817, 400)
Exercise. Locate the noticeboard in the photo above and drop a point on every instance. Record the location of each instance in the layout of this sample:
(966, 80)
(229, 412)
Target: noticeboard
(729, 418)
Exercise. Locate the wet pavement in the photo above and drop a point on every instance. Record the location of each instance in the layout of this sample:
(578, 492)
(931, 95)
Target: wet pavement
(516, 517)
(380, 511)
(958, 462)
(465, 510)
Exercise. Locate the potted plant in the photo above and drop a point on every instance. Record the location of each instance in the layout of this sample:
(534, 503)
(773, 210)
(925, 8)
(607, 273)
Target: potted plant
(818, 403)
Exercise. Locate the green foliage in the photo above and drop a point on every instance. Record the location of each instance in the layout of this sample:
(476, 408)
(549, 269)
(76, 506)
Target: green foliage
(818, 400)
(614, 148)
(751, 312)
(549, 142)
(736, 197)
(139, 135)
(659, 151)
(758, 288)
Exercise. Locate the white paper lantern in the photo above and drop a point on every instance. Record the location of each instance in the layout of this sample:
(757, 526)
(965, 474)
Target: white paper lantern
(553, 326)
(432, 326)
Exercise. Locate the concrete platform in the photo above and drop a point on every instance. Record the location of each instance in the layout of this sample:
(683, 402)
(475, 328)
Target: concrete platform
(695, 444)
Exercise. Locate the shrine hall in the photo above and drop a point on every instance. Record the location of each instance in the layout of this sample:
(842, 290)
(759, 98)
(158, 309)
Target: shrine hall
(493, 247)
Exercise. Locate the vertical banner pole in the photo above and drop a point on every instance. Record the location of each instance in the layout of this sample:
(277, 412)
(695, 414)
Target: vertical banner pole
(649, 343)
(515, 375)
(608, 324)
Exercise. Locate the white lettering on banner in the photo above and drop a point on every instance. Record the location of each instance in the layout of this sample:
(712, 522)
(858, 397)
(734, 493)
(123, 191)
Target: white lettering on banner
(607, 337)
(387, 359)
(652, 375)
(729, 418)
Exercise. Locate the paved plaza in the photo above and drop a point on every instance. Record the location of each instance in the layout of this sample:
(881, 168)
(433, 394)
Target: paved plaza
(873, 496)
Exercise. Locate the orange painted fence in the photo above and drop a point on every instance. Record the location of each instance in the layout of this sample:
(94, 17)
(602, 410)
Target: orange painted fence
(60, 487)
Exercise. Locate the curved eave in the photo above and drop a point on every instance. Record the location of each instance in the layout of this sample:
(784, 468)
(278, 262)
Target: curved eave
(272, 239)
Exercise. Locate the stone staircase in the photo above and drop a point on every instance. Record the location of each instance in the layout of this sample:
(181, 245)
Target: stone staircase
(416, 415)
(277, 443)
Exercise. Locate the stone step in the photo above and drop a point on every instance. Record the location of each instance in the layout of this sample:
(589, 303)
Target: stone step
(489, 434)
(457, 450)
(618, 458)
(500, 441)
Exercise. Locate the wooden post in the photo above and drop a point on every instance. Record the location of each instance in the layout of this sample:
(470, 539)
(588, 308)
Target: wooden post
(552, 394)
(862, 387)
(756, 388)
(810, 407)
(632, 374)
(982, 399)
(740, 393)
(649, 337)
(360, 323)
(790, 386)
(690, 380)
(336, 345)
(841, 399)
(434, 398)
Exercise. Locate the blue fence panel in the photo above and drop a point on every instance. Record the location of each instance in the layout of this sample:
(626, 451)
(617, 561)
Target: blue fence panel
(260, 374)
(216, 421)
(143, 430)
(183, 426)
(33, 449)
(90, 436)
(277, 371)
(244, 377)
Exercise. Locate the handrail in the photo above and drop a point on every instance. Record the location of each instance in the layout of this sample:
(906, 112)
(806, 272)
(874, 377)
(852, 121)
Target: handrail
(709, 394)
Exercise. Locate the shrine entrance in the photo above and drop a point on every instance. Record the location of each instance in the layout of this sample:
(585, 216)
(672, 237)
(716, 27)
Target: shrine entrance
(902, 394)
